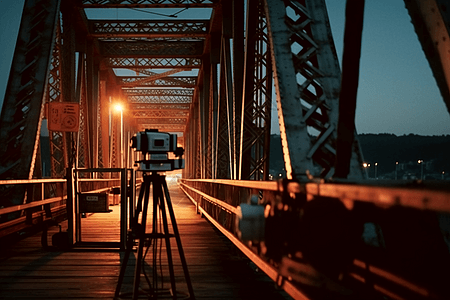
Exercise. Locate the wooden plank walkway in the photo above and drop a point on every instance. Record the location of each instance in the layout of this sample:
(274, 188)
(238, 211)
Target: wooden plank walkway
(217, 269)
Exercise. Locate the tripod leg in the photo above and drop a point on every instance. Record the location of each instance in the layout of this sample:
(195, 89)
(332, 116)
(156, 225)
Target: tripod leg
(145, 186)
(141, 234)
(130, 240)
(124, 266)
(162, 206)
(137, 270)
(178, 239)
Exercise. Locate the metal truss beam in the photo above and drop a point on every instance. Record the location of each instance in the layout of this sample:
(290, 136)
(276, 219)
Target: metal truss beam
(159, 99)
(56, 92)
(152, 62)
(163, 106)
(162, 127)
(158, 92)
(431, 19)
(154, 76)
(304, 57)
(21, 117)
(149, 29)
(158, 114)
(152, 49)
(162, 121)
(257, 98)
(148, 3)
(142, 81)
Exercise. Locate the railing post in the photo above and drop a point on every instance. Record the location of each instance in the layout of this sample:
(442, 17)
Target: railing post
(123, 208)
(29, 199)
(70, 207)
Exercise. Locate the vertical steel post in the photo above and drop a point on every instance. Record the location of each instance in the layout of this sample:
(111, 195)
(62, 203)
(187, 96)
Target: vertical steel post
(23, 105)
(307, 79)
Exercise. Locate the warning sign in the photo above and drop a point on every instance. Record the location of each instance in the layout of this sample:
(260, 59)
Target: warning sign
(63, 116)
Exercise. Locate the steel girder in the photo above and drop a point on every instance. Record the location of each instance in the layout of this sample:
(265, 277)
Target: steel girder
(143, 81)
(152, 62)
(103, 128)
(153, 49)
(83, 145)
(158, 92)
(162, 127)
(58, 147)
(149, 29)
(159, 99)
(159, 113)
(230, 88)
(22, 110)
(163, 106)
(307, 79)
(431, 19)
(147, 3)
(162, 121)
(205, 118)
(257, 97)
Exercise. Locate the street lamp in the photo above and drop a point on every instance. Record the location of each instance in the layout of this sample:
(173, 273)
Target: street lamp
(365, 166)
(376, 165)
(118, 107)
(420, 162)
(396, 165)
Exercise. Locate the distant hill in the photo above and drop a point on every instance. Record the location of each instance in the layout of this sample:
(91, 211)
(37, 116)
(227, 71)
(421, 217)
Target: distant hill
(387, 149)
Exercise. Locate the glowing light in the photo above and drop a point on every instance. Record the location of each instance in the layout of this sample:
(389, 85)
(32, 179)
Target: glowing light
(366, 165)
(118, 107)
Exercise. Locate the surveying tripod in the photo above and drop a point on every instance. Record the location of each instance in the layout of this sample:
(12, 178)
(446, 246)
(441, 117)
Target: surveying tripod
(161, 197)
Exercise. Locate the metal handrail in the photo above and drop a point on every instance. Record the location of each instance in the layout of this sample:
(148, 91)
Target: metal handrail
(414, 194)
(19, 207)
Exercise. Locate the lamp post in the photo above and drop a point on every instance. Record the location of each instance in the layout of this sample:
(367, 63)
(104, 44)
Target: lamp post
(376, 165)
(420, 162)
(365, 166)
(396, 165)
(119, 108)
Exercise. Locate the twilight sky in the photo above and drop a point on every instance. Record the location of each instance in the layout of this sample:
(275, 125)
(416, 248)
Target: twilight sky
(397, 92)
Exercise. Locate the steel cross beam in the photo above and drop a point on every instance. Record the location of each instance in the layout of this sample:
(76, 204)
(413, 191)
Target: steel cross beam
(158, 92)
(143, 81)
(152, 62)
(139, 107)
(149, 29)
(162, 121)
(160, 113)
(162, 127)
(147, 3)
(159, 99)
(165, 49)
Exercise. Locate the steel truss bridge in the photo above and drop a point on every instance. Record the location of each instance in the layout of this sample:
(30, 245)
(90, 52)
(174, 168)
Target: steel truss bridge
(211, 81)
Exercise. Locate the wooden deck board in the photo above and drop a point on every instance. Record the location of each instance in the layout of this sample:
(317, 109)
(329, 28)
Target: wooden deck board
(217, 269)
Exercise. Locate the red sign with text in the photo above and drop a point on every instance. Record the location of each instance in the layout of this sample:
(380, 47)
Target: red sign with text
(63, 116)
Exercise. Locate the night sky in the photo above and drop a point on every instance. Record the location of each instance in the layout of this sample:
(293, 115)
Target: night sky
(397, 92)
